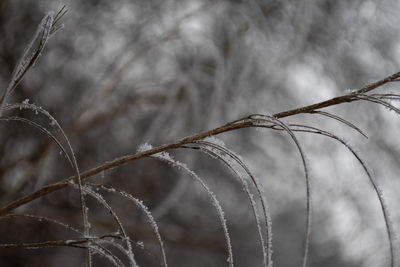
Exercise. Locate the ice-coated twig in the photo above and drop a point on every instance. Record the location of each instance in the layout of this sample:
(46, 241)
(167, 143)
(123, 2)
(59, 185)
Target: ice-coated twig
(103, 202)
(267, 120)
(245, 122)
(217, 149)
(385, 211)
(47, 27)
(144, 208)
(340, 119)
(380, 102)
(164, 156)
(71, 157)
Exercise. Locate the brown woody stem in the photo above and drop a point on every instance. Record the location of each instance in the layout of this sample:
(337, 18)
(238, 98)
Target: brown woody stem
(237, 124)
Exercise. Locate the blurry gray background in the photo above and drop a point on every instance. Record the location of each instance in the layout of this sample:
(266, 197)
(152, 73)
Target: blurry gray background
(122, 73)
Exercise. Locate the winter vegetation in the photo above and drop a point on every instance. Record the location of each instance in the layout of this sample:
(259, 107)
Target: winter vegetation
(199, 133)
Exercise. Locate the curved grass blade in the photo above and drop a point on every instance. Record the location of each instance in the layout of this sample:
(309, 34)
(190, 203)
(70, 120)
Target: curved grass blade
(164, 156)
(43, 130)
(216, 148)
(392, 97)
(144, 208)
(102, 201)
(340, 119)
(378, 191)
(379, 101)
(54, 122)
(47, 27)
(101, 239)
(259, 121)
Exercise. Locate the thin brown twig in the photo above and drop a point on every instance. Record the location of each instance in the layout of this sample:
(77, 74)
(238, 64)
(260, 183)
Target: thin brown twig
(244, 122)
(52, 243)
